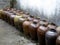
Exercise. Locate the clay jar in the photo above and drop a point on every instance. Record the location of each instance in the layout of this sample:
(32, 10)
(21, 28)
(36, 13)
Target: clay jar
(5, 13)
(7, 16)
(43, 22)
(16, 21)
(26, 25)
(20, 23)
(12, 19)
(51, 37)
(33, 29)
(41, 34)
(1, 12)
(58, 40)
(52, 26)
(58, 30)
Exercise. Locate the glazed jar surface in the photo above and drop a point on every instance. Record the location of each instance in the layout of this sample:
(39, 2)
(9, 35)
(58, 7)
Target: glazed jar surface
(26, 25)
(41, 34)
(51, 37)
(58, 30)
(33, 29)
(58, 40)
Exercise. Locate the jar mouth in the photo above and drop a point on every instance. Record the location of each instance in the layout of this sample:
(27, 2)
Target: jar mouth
(44, 20)
(52, 24)
(31, 16)
(53, 30)
(43, 25)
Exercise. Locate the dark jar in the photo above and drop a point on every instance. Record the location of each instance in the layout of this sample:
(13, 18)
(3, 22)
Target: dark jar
(58, 40)
(41, 34)
(51, 37)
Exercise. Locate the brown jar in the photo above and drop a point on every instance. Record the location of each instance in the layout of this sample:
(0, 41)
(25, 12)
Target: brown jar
(41, 34)
(26, 25)
(43, 22)
(58, 40)
(12, 19)
(52, 26)
(58, 30)
(50, 37)
(33, 29)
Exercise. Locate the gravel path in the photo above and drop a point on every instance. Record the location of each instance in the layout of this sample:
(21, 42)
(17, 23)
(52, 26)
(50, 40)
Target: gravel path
(11, 36)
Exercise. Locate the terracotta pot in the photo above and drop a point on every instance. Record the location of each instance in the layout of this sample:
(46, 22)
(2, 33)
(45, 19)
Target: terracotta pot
(51, 37)
(58, 40)
(58, 30)
(52, 26)
(26, 25)
(33, 29)
(41, 34)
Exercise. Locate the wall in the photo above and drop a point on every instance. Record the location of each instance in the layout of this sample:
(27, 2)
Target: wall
(4, 3)
(45, 9)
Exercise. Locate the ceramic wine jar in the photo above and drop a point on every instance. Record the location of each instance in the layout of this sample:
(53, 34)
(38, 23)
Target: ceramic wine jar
(1, 12)
(20, 23)
(58, 30)
(26, 25)
(33, 29)
(41, 34)
(16, 21)
(58, 40)
(12, 19)
(51, 37)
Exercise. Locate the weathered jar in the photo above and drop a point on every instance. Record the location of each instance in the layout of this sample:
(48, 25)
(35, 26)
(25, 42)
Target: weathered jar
(58, 40)
(58, 30)
(41, 34)
(33, 29)
(26, 25)
(51, 37)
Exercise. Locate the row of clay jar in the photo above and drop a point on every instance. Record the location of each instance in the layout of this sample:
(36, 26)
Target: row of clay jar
(46, 33)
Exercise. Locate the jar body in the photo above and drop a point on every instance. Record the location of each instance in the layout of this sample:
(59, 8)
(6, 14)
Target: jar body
(20, 24)
(58, 30)
(58, 40)
(41, 34)
(33, 29)
(16, 21)
(12, 19)
(1, 12)
(51, 37)
(26, 25)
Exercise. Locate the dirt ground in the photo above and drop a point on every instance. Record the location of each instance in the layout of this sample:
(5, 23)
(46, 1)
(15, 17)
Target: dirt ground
(9, 35)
